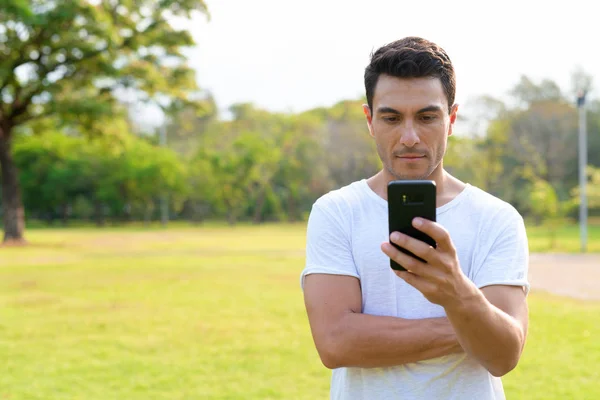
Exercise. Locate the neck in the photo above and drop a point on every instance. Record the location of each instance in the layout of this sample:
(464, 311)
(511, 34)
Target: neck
(447, 186)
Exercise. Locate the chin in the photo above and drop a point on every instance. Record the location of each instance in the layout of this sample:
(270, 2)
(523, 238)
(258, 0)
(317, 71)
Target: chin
(410, 175)
(417, 172)
(422, 173)
(413, 177)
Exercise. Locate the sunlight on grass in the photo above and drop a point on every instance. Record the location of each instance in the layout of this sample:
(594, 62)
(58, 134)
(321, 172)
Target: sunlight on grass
(567, 239)
(209, 313)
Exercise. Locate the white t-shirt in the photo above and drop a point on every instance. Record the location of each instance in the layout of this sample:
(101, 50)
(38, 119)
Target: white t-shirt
(345, 230)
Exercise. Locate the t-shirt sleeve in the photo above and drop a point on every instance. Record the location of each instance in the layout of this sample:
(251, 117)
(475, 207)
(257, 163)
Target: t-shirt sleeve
(328, 246)
(506, 261)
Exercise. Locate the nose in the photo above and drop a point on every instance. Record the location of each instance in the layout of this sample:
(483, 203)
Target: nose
(408, 134)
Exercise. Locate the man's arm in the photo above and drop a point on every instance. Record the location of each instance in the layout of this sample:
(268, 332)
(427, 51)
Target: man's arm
(345, 337)
(492, 326)
(491, 323)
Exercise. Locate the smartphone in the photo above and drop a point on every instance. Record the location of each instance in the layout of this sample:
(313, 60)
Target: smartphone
(407, 200)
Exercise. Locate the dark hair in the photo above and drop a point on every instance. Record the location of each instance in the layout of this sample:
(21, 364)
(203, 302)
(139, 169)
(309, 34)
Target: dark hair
(411, 57)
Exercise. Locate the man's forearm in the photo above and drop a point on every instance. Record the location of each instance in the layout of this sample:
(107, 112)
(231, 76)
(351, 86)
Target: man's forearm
(367, 341)
(487, 333)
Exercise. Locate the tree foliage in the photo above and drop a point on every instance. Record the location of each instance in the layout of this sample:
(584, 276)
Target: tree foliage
(77, 60)
(67, 66)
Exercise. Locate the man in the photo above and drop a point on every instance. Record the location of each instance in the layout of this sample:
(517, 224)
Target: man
(448, 328)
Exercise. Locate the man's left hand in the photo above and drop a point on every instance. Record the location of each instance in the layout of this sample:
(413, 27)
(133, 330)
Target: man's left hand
(440, 279)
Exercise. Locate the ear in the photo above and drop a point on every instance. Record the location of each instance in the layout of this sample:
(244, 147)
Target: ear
(367, 112)
(453, 114)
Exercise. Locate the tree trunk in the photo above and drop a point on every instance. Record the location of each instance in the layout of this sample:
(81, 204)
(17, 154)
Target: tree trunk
(65, 214)
(147, 214)
(99, 213)
(291, 208)
(231, 217)
(196, 212)
(49, 217)
(127, 213)
(12, 206)
(260, 202)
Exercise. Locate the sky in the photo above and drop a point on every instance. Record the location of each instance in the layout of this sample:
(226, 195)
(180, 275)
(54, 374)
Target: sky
(291, 56)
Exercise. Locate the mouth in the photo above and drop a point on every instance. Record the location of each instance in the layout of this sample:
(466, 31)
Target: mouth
(411, 156)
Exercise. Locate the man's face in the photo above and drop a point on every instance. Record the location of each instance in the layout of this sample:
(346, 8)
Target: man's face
(410, 124)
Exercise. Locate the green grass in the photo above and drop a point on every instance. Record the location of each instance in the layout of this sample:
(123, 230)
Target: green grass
(562, 354)
(209, 313)
(567, 238)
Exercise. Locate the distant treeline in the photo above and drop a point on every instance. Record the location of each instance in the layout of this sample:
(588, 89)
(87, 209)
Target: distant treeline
(262, 166)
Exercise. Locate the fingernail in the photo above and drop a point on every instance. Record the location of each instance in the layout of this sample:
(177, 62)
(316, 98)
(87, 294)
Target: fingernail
(395, 236)
(417, 222)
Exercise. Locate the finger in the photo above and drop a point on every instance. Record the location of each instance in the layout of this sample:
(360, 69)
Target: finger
(418, 282)
(415, 246)
(435, 231)
(389, 250)
(410, 263)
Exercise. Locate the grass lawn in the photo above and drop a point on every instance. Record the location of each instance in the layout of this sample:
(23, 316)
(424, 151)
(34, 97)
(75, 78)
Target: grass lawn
(209, 313)
(567, 238)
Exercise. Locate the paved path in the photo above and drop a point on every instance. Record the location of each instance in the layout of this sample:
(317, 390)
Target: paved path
(573, 275)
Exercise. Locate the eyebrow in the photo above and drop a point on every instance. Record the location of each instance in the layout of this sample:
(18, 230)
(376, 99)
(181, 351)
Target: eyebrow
(390, 110)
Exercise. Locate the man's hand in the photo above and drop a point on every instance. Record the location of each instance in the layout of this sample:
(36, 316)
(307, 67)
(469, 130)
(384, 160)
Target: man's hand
(440, 279)
(491, 328)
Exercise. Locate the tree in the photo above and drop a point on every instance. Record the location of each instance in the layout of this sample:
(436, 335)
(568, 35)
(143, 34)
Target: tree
(480, 112)
(50, 172)
(357, 157)
(528, 92)
(303, 173)
(592, 190)
(243, 170)
(71, 59)
(144, 172)
(541, 133)
(543, 136)
(57, 170)
(186, 128)
(545, 207)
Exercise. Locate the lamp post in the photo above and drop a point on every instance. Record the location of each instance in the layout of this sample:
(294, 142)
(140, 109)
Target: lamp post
(582, 170)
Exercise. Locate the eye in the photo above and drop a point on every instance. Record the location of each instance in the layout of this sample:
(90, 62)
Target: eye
(390, 119)
(428, 118)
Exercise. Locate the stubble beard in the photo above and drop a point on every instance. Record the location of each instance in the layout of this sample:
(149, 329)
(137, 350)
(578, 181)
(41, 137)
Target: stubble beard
(431, 166)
